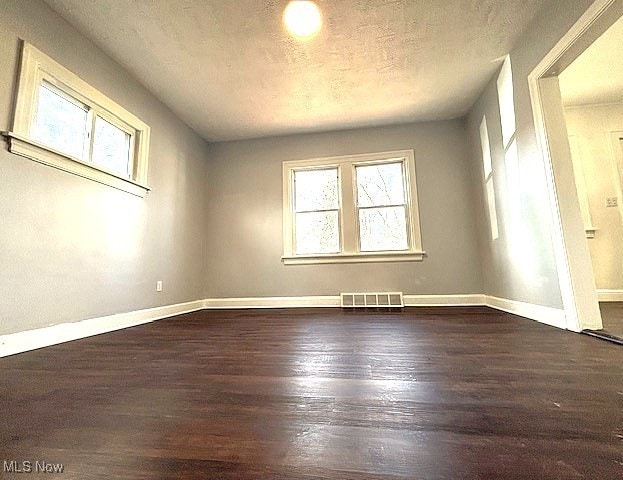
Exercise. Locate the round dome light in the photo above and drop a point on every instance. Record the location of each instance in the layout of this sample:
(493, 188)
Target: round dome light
(302, 18)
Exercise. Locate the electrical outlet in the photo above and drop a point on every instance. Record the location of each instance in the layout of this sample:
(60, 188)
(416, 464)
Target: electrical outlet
(159, 286)
(612, 201)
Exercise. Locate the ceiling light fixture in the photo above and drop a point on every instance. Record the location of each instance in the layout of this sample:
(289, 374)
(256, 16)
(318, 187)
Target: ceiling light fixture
(302, 18)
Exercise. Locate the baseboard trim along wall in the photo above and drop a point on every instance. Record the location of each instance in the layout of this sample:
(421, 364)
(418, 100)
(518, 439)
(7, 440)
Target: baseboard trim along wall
(548, 315)
(273, 302)
(607, 295)
(19, 342)
(334, 301)
(13, 343)
(473, 299)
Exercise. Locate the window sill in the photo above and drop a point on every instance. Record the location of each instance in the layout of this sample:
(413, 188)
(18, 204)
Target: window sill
(25, 147)
(354, 258)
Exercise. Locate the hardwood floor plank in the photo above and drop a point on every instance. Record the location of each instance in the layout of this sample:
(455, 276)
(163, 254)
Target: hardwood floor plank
(423, 393)
(612, 316)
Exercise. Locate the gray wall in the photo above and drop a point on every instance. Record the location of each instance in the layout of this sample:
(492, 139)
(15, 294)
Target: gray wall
(73, 249)
(245, 216)
(526, 273)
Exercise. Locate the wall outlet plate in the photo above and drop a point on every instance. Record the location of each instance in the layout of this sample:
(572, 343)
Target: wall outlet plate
(159, 286)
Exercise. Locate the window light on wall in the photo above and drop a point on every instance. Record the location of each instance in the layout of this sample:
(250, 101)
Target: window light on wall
(488, 178)
(511, 154)
(506, 101)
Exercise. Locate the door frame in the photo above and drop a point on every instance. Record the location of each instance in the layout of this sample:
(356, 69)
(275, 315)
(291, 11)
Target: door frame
(573, 262)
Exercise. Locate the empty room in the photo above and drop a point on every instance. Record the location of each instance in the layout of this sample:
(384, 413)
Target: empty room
(273, 239)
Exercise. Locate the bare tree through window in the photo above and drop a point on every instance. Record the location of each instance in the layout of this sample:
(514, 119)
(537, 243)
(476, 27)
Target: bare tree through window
(381, 206)
(316, 205)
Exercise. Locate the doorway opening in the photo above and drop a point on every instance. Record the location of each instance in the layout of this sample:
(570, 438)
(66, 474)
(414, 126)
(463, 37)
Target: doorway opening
(572, 182)
(591, 89)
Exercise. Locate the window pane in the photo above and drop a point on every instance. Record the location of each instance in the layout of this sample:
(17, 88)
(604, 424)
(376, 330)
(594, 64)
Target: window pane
(511, 160)
(111, 147)
(383, 229)
(317, 232)
(316, 190)
(493, 216)
(380, 185)
(60, 124)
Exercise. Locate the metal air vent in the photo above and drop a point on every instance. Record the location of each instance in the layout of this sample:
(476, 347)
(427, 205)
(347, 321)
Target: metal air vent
(372, 299)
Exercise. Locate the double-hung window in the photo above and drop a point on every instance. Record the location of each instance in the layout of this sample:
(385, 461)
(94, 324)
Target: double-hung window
(317, 211)
(382, 210)
(62, 121)
(358, 208)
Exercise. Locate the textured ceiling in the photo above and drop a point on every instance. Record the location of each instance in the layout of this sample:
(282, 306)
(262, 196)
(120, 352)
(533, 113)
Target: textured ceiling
(596, 76)
(229, 69)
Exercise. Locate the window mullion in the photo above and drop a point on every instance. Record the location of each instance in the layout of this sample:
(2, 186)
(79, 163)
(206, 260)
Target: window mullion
(90, 134)
(289, 204)
(133, 164)
(348, 217)
(383, 206)
(322, 210)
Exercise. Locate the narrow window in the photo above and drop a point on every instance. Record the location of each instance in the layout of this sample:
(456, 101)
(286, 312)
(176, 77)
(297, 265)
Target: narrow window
(63, 122)
(511, 162)
(506, 102)
(509, 141)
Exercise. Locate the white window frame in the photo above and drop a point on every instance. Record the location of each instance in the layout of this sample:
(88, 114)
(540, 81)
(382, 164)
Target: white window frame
(347, 215)
(37, 68)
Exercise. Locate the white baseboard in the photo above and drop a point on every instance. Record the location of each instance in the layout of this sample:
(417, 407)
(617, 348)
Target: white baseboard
(273, 302)
(548, 315)
(13, 343)
(444, 300)
(608, 295)
(42, 337)
(334, 301)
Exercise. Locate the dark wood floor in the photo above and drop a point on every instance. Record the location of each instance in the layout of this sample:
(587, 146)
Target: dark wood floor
(612, 317)
(320, 394)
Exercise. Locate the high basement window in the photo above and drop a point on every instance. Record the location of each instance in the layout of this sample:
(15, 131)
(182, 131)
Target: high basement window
(62, 121)
(359, 208)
